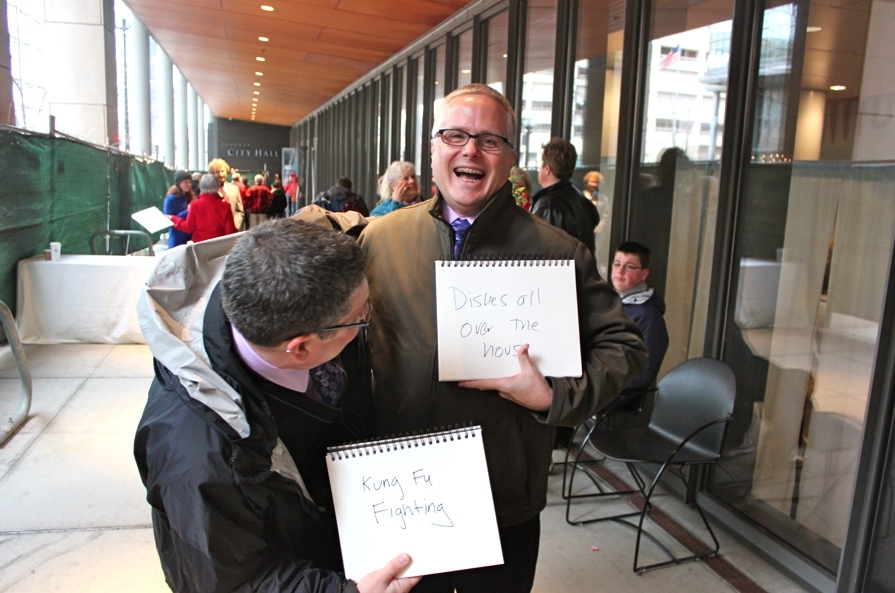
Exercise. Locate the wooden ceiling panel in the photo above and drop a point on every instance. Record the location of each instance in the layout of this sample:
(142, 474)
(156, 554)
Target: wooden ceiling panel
(316, 48)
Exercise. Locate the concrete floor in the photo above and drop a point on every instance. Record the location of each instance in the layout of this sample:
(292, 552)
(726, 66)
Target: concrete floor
(74, 516)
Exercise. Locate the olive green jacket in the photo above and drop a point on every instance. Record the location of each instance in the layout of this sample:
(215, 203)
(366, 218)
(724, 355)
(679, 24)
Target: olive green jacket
(402, 248)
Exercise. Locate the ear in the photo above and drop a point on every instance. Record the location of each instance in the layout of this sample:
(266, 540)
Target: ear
(299, 348)
(645, 273)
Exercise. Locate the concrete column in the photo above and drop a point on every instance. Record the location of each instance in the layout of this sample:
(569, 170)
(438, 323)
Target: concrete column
(138, 100)
(181, 138)
(83, 100)
(200, 137)
(164, 101)
(192, 126)
(7, 109)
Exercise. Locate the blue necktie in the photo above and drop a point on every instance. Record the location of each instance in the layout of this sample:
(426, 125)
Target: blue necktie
(460, 226)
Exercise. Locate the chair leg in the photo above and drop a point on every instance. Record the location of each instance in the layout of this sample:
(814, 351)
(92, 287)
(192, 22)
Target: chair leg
(673, 560)
(601, 492)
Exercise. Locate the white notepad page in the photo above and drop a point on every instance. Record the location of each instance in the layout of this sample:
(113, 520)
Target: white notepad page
(428, 496)
(487, 310)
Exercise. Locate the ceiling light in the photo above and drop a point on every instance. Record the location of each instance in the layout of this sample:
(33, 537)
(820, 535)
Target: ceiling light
(267, 8)
(263, 39)
(259, 73)
(260, 59)
(813, 29)
(254, 98)
(837, 87)
(257, 92)
(504, 55)
(257, 84)
(465, 71)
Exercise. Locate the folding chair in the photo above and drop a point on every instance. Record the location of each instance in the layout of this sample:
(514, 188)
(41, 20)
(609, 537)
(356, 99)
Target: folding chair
(693, 407)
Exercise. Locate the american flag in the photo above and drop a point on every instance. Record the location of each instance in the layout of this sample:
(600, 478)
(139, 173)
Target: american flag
(671, 57)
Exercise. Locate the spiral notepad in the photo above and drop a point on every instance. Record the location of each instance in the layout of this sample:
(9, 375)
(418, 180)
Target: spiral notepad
(427, 495)
(488, 309)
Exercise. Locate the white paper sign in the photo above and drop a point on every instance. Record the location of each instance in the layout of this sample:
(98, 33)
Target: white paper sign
(428, 496)
(152, 219)
(488, 310)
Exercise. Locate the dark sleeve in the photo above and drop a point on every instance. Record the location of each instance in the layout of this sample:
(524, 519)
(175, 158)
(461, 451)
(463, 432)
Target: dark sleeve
(655, 335)
(211, 532)
(547, 209)
(168, 207)
(612, 351)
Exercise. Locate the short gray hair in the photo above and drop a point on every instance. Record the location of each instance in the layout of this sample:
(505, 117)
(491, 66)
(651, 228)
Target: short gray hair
(287, 278)
(395, 173)
(209, 184)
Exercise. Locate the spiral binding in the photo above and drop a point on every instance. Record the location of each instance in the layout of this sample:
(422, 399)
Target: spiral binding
(403, 441)
(497, 261)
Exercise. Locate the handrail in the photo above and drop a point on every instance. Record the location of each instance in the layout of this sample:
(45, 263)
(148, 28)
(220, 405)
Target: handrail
(12, 334)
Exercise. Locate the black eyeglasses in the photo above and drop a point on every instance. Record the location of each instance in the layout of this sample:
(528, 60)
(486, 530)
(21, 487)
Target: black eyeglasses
(616, 265)
(486, 142)
(363, 323)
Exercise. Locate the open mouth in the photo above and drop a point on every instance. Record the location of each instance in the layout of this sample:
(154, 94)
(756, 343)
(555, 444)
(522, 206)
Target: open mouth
(469, 174)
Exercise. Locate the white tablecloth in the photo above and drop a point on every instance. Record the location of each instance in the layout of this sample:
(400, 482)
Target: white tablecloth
(82, 298)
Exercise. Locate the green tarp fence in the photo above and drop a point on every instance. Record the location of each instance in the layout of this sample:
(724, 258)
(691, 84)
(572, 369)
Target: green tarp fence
(60, 189)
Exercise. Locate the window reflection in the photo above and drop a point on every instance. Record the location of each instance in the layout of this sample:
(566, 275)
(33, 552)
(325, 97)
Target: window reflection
(596, 93)
(496, 31)
(813, 242)
(537, 82)
(464, 58)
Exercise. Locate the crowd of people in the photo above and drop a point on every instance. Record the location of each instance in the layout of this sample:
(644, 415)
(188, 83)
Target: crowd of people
(189, 203)
(304, 337)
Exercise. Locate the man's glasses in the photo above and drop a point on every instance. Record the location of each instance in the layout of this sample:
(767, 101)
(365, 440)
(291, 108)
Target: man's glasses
(486, 142)
(627, 267)
(362, 323)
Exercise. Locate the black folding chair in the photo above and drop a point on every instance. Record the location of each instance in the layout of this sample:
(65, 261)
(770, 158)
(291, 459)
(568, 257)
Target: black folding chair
(693, 407)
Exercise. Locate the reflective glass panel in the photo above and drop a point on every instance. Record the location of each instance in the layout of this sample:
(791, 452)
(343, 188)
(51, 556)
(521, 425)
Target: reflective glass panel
(814, 237)
(497, 28)
(596, 92)
(674, 200)
(537, 83)
(464, 58)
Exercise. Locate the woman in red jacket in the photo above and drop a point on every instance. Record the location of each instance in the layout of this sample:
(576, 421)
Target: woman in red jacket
(210, 215)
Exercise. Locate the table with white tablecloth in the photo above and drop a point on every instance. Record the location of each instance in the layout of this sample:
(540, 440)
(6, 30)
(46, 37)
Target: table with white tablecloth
(81, 298)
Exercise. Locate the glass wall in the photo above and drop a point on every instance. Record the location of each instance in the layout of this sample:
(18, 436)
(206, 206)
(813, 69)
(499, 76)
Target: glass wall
(496, 30)
(537, 83)
(675, 197)
(464, 58)
(597, 95)
(419, 128)
(814, 236)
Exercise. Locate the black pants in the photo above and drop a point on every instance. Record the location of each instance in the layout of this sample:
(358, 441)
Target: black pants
(516, 575)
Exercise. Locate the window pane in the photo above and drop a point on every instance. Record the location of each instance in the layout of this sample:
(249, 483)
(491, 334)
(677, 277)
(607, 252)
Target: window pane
(420, 133)
(597, 88)
(537, 82)
(464, 58)
(402, 114)
(497, 28)
(674, 202)
(438, 94)
(815, 230)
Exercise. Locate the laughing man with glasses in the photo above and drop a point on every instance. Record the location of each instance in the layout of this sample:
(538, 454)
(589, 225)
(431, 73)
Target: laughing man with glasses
(474, 215)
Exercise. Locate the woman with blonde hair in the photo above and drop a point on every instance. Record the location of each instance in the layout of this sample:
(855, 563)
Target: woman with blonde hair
(398, 187)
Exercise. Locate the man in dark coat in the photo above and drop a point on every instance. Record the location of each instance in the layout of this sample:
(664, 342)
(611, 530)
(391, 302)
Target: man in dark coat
(245, 400)
(559, 202)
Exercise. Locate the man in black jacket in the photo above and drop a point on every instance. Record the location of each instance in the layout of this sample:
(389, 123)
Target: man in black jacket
(245, 400)
(559, 202)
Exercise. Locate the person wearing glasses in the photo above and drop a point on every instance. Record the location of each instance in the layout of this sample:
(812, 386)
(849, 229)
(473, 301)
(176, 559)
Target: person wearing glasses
(473, 215)
(249, 390)
(559, 202)
(644, 305)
